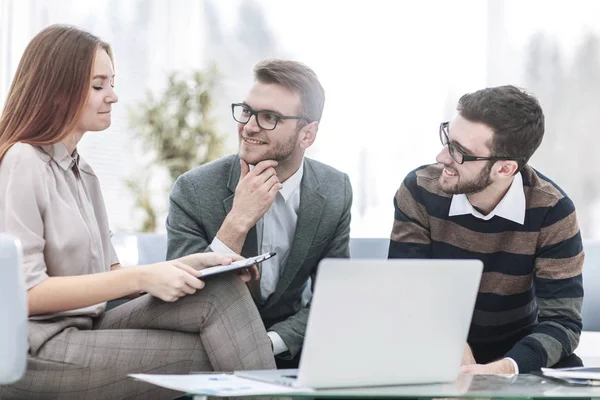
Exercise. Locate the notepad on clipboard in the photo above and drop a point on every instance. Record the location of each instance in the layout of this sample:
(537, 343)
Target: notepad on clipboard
(245, 263)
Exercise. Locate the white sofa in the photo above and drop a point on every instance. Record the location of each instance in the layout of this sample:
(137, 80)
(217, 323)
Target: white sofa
(13, 312)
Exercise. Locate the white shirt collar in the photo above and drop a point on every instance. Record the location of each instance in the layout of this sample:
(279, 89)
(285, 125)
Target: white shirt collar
(511, 207)
(61, 156)
(291, 184)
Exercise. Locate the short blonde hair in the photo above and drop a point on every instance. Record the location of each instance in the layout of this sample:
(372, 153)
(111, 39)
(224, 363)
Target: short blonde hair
(298, 78)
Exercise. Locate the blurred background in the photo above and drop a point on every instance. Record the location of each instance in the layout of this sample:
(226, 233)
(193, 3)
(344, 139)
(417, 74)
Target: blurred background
(392, 71)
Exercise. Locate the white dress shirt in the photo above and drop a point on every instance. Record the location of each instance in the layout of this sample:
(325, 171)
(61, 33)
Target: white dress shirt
(275, 233)
(511, 207)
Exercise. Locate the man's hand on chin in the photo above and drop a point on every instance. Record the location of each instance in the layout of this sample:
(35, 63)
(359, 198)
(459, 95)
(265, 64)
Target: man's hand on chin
(504, 366)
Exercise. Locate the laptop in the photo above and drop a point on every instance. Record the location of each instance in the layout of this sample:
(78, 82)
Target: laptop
(384, 322)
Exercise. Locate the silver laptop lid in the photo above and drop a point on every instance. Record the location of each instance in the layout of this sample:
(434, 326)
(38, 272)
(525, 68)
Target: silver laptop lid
(388, 322)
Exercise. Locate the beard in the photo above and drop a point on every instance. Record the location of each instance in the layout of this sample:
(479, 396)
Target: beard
(475, 185)
(281, 152)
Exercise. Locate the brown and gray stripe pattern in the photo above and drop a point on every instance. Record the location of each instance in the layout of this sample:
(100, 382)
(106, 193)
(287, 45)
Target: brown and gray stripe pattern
(529, 303)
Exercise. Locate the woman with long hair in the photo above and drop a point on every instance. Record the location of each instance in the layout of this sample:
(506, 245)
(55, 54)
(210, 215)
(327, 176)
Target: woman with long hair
(50, 199)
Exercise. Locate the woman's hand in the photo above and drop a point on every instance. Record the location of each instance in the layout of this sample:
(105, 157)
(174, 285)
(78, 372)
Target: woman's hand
(247, 274)
(169, 280)
(200, 261)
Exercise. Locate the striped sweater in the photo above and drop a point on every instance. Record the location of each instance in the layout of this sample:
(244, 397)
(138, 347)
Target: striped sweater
(529, 303)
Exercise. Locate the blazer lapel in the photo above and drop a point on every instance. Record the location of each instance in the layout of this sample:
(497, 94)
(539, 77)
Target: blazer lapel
(309, 215)
(250, 247)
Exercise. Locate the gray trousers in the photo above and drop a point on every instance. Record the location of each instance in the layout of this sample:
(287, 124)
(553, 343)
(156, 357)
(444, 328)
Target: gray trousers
(218, 328)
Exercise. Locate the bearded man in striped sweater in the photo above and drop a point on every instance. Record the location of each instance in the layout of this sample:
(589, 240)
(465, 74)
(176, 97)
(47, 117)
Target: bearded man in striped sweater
(482, 200)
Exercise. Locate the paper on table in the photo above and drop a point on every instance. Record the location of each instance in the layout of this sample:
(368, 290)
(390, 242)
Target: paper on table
(592, 373)
(216, 384)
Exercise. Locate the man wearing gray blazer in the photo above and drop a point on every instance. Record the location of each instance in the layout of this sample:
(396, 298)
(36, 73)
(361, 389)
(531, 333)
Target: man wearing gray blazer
(269, 197)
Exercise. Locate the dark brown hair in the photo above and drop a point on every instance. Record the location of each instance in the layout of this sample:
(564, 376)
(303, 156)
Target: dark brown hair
(515, 116)
(50, 88)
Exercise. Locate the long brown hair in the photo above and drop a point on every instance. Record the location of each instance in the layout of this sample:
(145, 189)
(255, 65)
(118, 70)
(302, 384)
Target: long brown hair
(50, 88)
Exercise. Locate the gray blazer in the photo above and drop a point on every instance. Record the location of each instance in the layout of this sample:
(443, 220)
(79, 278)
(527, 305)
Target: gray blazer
(202, 197)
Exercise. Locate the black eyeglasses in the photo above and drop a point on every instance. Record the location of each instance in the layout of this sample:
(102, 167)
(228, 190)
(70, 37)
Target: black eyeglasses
(266, 120)
(459, 154)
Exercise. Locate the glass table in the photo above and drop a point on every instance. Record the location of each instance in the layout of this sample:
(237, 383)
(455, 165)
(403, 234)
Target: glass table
(466, 386)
